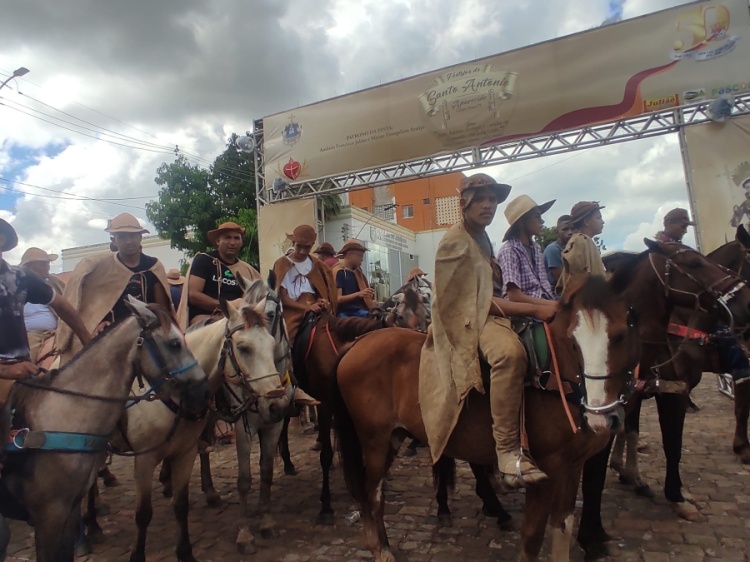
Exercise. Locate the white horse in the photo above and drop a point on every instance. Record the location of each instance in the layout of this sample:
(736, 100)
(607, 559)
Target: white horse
(237, 349)
(249, 422)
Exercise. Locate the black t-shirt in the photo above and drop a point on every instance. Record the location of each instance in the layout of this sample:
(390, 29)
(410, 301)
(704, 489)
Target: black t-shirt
(347, 282)
(219, 280)
(16, 289)
(141, 287)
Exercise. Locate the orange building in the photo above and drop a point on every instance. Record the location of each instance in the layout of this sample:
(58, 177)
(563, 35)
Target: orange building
(420, 205)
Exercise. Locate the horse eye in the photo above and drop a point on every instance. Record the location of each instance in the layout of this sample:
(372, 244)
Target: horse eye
(617, 339)
(242, 348)
(175, 344)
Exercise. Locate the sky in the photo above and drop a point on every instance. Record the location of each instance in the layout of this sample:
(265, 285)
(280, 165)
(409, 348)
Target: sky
(139, 78)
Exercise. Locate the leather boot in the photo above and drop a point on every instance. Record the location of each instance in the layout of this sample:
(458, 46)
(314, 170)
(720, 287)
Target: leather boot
(506, 394)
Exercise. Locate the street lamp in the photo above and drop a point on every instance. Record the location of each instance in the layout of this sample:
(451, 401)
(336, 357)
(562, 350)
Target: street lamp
(17, 73)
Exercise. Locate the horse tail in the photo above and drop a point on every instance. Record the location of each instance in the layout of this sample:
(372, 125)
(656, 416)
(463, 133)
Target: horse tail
(349, 446)
(444, 473)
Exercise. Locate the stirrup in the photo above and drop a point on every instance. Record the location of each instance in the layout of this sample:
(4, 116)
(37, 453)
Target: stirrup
(302, 398)
(521, 479)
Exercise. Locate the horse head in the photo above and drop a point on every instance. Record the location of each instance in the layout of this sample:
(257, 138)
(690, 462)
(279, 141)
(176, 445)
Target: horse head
(604, 352)
(409, 309)
(690, 279)
(267, 295)
(166, 359)
(250, 352)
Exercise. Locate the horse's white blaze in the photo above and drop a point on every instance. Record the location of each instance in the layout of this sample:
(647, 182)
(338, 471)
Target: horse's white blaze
(593, 340)
(561, 540)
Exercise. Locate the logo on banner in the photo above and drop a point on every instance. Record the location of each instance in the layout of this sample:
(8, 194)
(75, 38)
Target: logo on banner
(696, 94)
(292, 169)
(741, 178)
(704, 34)
(661, 103)
(292, 132)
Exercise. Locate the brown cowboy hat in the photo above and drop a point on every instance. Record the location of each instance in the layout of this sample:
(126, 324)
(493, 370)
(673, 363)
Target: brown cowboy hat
(174, 277)
(583, 209)
(476, 181)
(325, 249)
(37, 254)
(351, 246)
(415, 271)
(519, 207)
(678, 215)
(213, 235)
(304, 234)
(125, 222)
(11, 238)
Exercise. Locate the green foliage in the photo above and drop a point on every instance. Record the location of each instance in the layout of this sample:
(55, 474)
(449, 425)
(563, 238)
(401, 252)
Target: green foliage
(600, 244)
(193, 200)
(547, 236)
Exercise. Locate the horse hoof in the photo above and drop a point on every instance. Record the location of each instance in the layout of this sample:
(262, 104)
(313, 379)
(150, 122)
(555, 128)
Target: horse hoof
(505, 522)
(82, 548)
(743, 453)
(213, 500)
(595, 551)
(687, 511)
(102, 509)
(247, 548)
(96, 537)
(290, 470)
(186, 558)
(445, 520)
(167, 492)
(410, 452)
(269, 533)
(624, 479)
(325, 519)
(644, 490)
(110, 480)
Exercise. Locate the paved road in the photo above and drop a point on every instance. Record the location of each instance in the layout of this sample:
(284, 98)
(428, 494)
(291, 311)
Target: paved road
(649, 531)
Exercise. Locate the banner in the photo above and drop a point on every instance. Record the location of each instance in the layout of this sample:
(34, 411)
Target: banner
(275, 222)
(658, 61)
(719, 159)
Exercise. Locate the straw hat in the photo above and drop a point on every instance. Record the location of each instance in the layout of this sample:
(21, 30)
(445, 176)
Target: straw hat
(304, 234)
(325, 249)
(483, 180)
(521, 205)
(213, 235)
(351, 246)
(678, 215)
(174, 277)
(37, 254)
(583, 209)
(11, 238)
(125, 222)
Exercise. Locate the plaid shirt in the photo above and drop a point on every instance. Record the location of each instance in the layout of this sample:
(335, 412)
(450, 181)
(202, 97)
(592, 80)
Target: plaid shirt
(517, 267)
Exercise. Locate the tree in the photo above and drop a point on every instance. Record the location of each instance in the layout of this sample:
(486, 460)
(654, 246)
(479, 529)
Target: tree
(547, 236)
(194, 200)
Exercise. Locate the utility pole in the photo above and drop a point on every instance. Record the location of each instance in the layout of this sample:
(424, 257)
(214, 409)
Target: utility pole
(17, 73)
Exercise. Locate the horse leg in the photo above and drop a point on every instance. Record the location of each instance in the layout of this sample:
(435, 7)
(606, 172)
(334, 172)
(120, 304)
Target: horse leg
(245, 540)
(631, 474)
(444, 477)
(536, 511)
(562, 516)
(165, 477)
(55, 530)
(377, 460)
(672, 408)
(618, 452)
(181, 469)
(286, 456)
(269, 438)
(4, 537)
(108, 479)
(491, 506)
(213, 499)
(325, 517)
(591, 534)
(741, 445)
(143, 473)
(93, 529)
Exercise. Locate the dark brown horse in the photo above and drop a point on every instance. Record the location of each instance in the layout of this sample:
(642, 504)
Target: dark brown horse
(654, 283)
(377, 403)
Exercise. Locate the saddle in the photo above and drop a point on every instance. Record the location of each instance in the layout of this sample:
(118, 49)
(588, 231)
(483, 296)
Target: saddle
(301, 349)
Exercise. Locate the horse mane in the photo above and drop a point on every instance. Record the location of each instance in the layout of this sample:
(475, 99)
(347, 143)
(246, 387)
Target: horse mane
(622, 278)
(253, 318)
(594, 293)
(348, 329)
(162, 315)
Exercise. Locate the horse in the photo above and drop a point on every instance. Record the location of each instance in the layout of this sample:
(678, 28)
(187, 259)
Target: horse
(248, 423)
(376, 403)
(653, 283)
(66, 418)
(237, 349)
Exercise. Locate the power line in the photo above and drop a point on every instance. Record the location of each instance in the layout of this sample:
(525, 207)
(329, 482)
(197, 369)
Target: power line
(66, 196)
(54, 206)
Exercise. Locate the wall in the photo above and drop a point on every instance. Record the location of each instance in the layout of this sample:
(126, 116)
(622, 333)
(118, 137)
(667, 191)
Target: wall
(426, 244)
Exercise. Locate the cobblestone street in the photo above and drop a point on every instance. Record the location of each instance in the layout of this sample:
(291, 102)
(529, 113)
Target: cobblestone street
(648, 531)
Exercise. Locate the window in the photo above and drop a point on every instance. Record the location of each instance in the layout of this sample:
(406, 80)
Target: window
(408, 211)
(385, 212)
(426, 201)
(447, 210)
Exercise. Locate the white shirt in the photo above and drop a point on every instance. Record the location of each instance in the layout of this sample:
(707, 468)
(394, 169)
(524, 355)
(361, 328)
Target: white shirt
(295, 281)
(39, 318)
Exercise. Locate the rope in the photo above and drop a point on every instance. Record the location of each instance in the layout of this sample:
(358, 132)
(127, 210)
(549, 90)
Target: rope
(556, 370)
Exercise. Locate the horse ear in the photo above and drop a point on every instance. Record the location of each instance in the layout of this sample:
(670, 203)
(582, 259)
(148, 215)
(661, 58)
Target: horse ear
(140, 310)
(242, 282)
(255, 292)
(271, 281)
(743, 237)
(225, 308)
(573, 286)
(653, 245)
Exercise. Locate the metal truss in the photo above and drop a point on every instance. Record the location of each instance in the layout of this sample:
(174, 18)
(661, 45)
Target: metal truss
(632, 128)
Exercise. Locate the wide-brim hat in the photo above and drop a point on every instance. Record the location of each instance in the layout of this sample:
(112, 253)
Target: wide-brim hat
(125, 222)
(174, 277)
(304, 234)
(476, 181)
(11, 238)
(519, 207)
(678, 215)
(213, 235)
(37, 254)
(415, 271)
(583, 209)
(351, 246)
(325, 249)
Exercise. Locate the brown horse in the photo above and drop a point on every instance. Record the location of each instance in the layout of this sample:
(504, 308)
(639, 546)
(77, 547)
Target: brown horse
(377, 403)
(656, 281)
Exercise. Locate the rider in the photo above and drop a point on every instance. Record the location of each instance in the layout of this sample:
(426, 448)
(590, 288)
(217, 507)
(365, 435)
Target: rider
(470, 320)
(213, 275)
(355, 296)
(40, 319)
(418, 274)
(553, 252)
(327, 254)
(100, 285)
(520, 257)
(176, 282)
(676, 222)
(581, 254)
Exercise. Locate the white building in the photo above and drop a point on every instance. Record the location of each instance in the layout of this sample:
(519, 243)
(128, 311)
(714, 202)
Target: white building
(153, 245)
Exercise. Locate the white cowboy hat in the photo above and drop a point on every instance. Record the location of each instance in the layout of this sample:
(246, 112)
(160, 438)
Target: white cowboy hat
(521, 205)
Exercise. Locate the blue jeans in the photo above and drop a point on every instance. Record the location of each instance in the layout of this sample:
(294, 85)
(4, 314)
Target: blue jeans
(359, 313)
